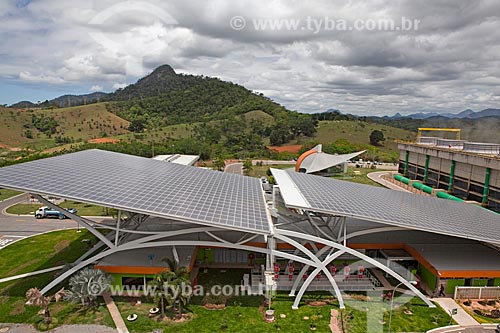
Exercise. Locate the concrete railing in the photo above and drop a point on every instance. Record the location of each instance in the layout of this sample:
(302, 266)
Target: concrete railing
(476, 292)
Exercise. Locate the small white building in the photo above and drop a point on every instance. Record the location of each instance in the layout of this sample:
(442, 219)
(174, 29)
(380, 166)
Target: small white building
(178, 159)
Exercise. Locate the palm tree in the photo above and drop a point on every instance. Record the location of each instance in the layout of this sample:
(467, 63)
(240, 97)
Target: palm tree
(178, 279)
(160, 295)
(35, 297)
(169, 286)
(87, 285)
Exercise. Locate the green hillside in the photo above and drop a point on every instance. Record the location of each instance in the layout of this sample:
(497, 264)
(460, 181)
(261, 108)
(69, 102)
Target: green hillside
(40, 129)
(358, 132)
(166, 112)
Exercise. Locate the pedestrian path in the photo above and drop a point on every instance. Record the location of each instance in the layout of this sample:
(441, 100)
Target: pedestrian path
(334, 322)
(377, 177)
(25, 328)
(20, 276)
(115, 313)
(462, 317)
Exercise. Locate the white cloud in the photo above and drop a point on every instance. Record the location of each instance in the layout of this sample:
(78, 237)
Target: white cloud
(96, 88)
(119, 85)
(42, 78)
(449, 64)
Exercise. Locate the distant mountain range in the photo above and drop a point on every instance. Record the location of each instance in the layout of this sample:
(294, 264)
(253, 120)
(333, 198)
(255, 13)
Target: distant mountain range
(64, 101)
(466, 114)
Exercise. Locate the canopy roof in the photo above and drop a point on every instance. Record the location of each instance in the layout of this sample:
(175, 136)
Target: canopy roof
(146, 186)
(413, 211)
(315, 160)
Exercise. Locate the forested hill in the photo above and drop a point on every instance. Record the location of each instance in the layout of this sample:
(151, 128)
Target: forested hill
(162, 80)
(165, 98)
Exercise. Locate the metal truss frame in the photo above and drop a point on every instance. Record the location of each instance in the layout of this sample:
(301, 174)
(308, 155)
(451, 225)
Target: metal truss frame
(335, 243)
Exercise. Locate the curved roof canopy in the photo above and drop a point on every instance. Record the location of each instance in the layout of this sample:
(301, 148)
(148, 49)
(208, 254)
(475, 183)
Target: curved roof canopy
(315, 160)
(408, 210)
(146, 186)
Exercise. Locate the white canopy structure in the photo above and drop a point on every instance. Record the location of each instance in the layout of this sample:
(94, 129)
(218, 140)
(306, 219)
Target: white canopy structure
(316, 160)
(192, 207)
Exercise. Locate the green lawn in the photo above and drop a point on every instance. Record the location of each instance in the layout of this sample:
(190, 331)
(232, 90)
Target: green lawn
(43, 251)
(241, 315)
(372, 315)
(358, 132)
(360, 177)
(39, 252)
(259, 171)
(83, 209)
(6, 193)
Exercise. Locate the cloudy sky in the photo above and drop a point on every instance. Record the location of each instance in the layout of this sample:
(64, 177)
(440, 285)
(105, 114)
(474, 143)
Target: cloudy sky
(441, 56)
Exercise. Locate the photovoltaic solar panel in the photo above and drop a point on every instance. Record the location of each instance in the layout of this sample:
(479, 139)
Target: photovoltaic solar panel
(146, 186)
(395, 208)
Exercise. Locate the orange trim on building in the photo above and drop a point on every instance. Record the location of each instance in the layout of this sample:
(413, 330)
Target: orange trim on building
(470, 274)
(131, 269)
(283, 246)
(302, 157)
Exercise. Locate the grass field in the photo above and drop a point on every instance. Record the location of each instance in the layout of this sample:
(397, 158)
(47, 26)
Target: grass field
(79, 122)
(358, 175)
(259, 171)
(6, 193)
(358, 132)
(39, 252)
(82, 208)
(242, 313)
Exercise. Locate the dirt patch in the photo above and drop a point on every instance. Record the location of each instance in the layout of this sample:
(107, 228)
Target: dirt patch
(294, 149)
(22, 266)
(316, 303)
(214, 306)
(62, 245)
(104, 140)
(17, 308)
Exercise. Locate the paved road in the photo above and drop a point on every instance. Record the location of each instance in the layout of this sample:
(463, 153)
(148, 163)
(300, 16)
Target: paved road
(27, 225)
(236, 168)
(13, 228)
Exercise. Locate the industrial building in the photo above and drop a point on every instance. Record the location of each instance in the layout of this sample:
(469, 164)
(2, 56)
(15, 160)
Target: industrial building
(467, 170)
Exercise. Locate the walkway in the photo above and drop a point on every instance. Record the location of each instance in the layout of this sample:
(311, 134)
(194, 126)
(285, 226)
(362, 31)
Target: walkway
(334, 321)
(25, 328)
(115, 313)
(485, 328)
(20, 276)
(462, 318)
(377, 177)
(235, 168)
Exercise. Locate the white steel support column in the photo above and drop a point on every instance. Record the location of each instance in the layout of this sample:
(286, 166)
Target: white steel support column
(345, 230)
(77, 218)
(117, 233)
(271, 245)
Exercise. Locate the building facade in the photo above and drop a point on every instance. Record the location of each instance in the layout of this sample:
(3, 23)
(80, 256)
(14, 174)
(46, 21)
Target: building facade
(467, 170)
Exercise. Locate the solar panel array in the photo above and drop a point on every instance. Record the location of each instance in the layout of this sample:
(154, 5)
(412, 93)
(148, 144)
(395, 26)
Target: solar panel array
(146, 186)
(398, 208)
